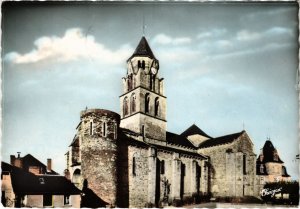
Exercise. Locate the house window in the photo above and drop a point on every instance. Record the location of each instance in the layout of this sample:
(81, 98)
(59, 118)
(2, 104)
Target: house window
(41, 180)
(67, 199)
(261, 168)
(104, 129)
(156, 105)
(147, 102)
(139, 64)
(125, 106)
(47, 200)
(133, 167)
(275, 157)
(162, 167)
(132, 103)
(262, 180)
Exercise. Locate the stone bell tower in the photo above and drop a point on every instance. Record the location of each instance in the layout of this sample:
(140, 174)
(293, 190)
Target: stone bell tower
(143, 104)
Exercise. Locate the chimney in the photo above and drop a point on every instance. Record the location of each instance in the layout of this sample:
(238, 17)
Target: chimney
(49, 164)
(16, 161)
(12, 159)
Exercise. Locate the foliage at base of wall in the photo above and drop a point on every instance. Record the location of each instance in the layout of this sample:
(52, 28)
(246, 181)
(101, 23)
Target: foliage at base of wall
(285, 193)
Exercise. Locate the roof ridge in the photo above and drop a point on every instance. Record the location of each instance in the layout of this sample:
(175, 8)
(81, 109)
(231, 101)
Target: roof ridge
(194, 129)
(237, 133)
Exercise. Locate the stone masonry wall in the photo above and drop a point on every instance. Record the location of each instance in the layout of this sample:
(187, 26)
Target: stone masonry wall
(228, 175)
(99, 152)
(150, 182)
(138, 176)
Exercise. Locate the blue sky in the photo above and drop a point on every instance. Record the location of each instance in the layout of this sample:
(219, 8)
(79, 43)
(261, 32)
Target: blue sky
(226, 66)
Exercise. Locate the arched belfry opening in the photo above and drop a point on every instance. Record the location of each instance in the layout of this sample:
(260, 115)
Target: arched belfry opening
(133, 103)
(147, 103)
(156, 106)
(125, 106)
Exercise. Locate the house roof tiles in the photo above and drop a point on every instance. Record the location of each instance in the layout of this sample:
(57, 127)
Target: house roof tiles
(25, 183)
(28, 160)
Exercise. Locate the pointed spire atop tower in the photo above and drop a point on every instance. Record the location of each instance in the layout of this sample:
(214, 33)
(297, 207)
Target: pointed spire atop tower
(143, 49)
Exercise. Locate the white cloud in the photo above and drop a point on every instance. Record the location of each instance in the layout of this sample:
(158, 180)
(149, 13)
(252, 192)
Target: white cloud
(164, 39)
(204, 35)
(245, 35)
(73, 45)
(224, 43)
(217, 32)
(278, 31)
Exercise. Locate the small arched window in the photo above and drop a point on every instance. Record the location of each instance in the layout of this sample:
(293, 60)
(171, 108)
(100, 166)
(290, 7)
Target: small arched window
(162, 167)
(125, 106)
(244, 164)
(156, 106)
(133, 166)
(104, 129)
(115, 131)
(147, 103)
(143, 130)
(91, 128)
(132, 103)
(139, 64)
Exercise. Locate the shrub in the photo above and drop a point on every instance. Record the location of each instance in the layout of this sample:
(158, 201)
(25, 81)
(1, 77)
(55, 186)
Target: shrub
(177, 203)
(282, 187)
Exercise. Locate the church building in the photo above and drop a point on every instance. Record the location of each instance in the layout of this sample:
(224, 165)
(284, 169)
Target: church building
(131, 160)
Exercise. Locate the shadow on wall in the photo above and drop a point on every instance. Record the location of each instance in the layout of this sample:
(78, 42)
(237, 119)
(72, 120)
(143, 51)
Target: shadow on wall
(123, 178)
(89, 199)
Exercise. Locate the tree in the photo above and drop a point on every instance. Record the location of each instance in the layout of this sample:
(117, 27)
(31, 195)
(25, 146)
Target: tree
(281, 192)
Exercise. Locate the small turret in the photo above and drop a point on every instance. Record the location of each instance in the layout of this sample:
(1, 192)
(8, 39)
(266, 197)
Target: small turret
(98, 137)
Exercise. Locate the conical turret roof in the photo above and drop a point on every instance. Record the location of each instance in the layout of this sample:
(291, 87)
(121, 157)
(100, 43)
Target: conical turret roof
(143, 49)
(268, 153)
